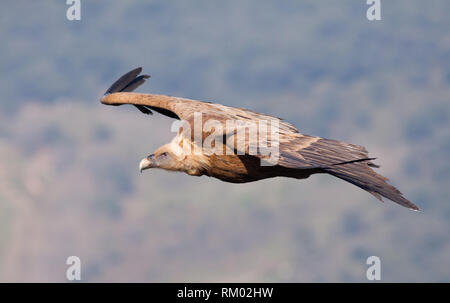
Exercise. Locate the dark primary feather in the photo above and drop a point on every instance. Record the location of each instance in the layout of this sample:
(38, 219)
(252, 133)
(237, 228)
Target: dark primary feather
(143, 109)
(123, 81)
(135, 83)
(128, 83)
(164, 112)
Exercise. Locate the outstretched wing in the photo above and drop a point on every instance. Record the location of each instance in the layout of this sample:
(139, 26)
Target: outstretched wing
(295, 150)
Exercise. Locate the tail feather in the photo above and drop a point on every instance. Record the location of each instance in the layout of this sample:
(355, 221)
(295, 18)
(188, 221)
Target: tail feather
(351, 163)
(361, 175)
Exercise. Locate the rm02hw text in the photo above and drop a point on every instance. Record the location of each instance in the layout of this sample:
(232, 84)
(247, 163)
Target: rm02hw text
(226, 292)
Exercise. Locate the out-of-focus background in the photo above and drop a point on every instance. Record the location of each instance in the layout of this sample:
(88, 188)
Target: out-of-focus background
(69, 180)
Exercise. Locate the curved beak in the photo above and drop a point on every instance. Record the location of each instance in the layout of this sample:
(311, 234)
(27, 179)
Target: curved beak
(144, 164)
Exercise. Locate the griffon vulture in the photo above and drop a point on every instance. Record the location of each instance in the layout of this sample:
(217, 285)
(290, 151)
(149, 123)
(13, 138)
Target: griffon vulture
(236, 156)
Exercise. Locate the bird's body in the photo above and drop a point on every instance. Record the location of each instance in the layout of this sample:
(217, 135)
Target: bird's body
(229, 168)
(238, 145)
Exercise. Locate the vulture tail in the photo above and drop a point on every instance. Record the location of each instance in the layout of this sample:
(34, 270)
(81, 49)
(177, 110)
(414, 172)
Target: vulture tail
(351, 163)
(362, 175)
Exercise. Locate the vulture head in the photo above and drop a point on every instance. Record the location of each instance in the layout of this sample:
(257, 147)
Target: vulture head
(162, 158)
(172, 157)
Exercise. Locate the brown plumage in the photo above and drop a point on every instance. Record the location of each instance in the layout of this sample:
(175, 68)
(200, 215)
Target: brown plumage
(297, 155)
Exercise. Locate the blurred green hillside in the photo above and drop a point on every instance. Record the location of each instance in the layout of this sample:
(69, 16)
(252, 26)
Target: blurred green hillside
(69, 180)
